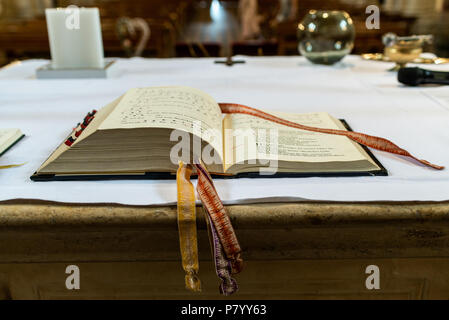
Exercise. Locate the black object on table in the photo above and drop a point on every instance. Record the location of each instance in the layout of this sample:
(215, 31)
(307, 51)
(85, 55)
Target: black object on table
(417, 76)
(229, 61)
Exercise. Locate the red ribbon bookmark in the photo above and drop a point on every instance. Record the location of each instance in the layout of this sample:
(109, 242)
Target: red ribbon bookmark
(217, 212)
(364, 139)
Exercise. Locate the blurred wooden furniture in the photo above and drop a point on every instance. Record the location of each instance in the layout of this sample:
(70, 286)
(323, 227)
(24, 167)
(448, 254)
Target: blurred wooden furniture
(304, 250)
(255, 47)
(30, 39)
(283, 34)
(197, 50)
(27, 38)
(162, 9)
(169, 11)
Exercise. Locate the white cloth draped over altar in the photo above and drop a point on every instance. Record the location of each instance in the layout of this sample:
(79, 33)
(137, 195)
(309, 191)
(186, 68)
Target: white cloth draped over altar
(362, 92)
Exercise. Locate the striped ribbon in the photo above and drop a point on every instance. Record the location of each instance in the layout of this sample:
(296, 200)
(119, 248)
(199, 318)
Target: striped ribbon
(219, 217)
(223, 266)
(188, 240)
(225, 245)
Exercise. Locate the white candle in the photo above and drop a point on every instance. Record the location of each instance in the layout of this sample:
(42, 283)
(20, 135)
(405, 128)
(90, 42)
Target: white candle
(75, 38)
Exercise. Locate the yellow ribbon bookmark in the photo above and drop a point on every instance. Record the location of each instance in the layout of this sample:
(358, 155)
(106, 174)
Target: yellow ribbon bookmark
(188, 240)
(11, 166)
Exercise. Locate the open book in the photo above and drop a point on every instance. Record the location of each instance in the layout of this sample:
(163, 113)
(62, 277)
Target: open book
(148, 130)
(8, 138)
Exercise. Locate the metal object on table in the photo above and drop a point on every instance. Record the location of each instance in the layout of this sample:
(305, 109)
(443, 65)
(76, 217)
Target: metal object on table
(229, 61)
(403, 50)
(419, 60)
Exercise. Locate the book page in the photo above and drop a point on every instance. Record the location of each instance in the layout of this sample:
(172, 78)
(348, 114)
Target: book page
(180, 108)
(90, 129)
(8, 137)
(293, 144)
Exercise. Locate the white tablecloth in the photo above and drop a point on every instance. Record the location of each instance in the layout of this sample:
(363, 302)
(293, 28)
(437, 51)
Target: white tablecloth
(362, 92)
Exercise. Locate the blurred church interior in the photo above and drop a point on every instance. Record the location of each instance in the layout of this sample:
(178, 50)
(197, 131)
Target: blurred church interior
(212, 28)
